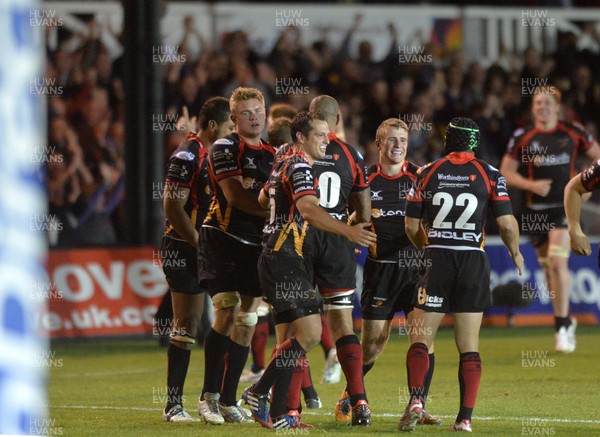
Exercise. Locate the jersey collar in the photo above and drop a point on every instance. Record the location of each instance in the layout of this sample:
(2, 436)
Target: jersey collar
(460, 157)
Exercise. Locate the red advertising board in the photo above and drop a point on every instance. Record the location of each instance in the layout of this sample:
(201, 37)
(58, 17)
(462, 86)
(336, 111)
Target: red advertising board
(101, 292)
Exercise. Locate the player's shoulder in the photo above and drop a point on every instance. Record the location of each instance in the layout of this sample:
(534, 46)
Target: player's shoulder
(425, 169)
(190, 150)
(341, 145)
(267, 147)
(574, 127)
(231, 140)
(487, 167)
(372, 170)
(411, 168)
(522, 131)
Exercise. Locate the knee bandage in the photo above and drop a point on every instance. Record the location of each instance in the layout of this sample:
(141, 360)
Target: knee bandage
(246, 319)
(229, 299)
(182, 336)
(558, 251)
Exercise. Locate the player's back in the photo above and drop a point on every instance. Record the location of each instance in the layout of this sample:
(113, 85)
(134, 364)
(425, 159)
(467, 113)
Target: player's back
(455, 192)
(337, 174)
(187, 168)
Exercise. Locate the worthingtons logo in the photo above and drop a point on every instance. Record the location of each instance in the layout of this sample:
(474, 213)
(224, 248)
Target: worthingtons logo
(449, 177)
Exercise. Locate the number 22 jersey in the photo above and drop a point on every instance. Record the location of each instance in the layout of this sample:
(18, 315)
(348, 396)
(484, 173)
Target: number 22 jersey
(452, 196)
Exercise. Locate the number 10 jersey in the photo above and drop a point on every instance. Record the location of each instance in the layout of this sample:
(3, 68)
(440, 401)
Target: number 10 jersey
(452, 196)
(340, 172)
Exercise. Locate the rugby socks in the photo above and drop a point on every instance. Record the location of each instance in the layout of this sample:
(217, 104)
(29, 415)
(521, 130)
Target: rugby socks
(215, 346)
(308, 389)
(367, 368)
(428, 377)
(559, 322)
(283, 362)
(469, 375)
(235, 361)
(293, 394)
(417, 364)
(178, 363)
(259, 344)
(350, 356)
(326, 340)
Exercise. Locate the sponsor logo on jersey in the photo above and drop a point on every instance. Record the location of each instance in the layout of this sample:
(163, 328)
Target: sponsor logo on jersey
(252, 184)
(451, 177)
(186, 156)
(250, 162)
(454, 235)
(377, 213)
(376, 195)
(223, 141)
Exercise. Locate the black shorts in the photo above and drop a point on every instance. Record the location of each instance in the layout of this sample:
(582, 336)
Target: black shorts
(288, 285)
(538, 222)
(227, 264)
(334, 263)
(455, 281)
(387, 289)
(179, 264)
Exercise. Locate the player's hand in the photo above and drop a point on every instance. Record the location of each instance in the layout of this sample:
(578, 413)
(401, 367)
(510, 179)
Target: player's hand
(541, 187)
(580, 244)
(361, 235)
(519, 263)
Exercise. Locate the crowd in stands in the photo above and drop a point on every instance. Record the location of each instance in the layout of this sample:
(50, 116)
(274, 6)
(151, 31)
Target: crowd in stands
(86, 120)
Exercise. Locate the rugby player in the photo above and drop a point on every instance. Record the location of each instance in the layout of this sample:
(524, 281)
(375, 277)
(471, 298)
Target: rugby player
(286, 264)
(239, 166)
(546, 152)
(584, 182)
(391, 269)
(450, 198)
(341, 178)
(187, 172)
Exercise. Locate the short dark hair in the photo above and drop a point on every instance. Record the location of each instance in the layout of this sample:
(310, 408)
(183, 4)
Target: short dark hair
(462, 134)
(302, 120)
(216, 108)
(278, 110)
(280, 132)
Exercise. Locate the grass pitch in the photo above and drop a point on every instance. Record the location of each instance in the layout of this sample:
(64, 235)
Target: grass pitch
(118, 388)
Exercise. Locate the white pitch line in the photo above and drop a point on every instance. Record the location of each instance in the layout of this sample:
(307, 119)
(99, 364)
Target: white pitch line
(124, 372)
(315, 413)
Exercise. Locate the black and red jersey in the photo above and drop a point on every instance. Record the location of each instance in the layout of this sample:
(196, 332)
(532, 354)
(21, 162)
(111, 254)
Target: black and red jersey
(291, 178)
(388, 200)
(340, 172)
(232, 156)
(452, 196)
(187, 169)
(549, 155)
(590, 177)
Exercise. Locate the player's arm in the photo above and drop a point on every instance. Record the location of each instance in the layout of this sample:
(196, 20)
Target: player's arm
(263, 198)
(509, 232)
(309, 208)
(241, 198)
(509, 168)
(415, 232)
(175, 198)
(574, 192)
(594, 151)
(361, 202)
